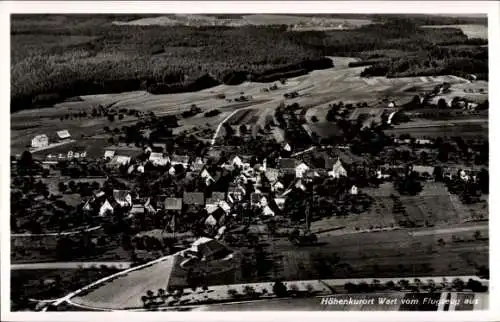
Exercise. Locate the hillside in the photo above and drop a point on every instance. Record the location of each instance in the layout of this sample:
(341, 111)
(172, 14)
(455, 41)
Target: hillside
(54, 57)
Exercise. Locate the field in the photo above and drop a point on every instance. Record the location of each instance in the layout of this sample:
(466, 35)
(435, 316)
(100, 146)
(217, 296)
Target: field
(433, 205)
(389, 254)
(126, 291)
(303, 22)
(432, 129)
(50, 284)
(472, 31)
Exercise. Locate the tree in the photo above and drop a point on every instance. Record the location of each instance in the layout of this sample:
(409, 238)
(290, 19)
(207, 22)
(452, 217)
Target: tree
(477, 234)
(145, 300)
(161, 294)
(484, 181)
(111, 117)
(458, 284)
(441, 104)
(26, 160)
(280, 289)
(438, 173)
(120, 116)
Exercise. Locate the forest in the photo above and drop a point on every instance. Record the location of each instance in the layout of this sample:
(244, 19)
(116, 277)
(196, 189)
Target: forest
(57, 57)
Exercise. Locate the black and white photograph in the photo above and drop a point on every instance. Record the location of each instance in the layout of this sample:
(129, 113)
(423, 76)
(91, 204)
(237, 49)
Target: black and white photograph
(248, 161)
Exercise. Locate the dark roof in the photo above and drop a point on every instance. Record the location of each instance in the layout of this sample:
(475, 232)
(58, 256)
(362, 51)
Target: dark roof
(179, 158)
(120, 194)
(210, 248)
(287, 163)
(173, 203)
(218, 195)
(194, 198)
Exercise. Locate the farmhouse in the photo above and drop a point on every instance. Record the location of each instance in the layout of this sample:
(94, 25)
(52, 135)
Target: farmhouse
(158, 159)
(119, 160)
(301, 169)
(63, 134)
(40, 141)
(106, 207)
(179, 159)
(338, 170)
(122, 197)
(109, 154)
(173, 204)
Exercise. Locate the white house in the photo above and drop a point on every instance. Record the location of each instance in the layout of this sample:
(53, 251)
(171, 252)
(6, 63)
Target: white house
(40, 141)
(109, 154)
(63, 134)
(208, 178)
(287, 147)
(106, 206)
(354, 190)
(268, 211)
(277, 186)
(301, 169)
(338, 170)
(300, 185)
(158, 159)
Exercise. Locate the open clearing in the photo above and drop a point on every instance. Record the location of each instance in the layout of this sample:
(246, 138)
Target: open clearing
(301, 22)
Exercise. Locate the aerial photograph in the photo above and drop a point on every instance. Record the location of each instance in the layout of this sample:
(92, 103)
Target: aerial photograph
(249, 162)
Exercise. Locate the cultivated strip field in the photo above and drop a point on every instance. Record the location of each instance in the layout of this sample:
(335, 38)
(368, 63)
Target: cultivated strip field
(302, 22)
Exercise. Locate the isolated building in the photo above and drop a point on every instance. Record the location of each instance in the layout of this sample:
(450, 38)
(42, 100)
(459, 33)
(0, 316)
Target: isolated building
(338, 170)
(109, 154)
(40, 141)
(179, 159)
(63, 134)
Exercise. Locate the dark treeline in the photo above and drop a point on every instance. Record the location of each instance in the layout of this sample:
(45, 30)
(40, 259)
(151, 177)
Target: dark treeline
(53, 59)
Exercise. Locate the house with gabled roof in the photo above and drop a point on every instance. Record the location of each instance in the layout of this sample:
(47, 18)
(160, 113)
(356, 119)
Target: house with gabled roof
(172, 204)
(193, 198)
(198, 164)
(105, 208)
(338, 170)
(122, 197)
(63, 134)
(119, 160)
(158, 159)
(300, 169)
(179, 159)
(205, 175)
(109, 154)
(40, 141)
(236, 193)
